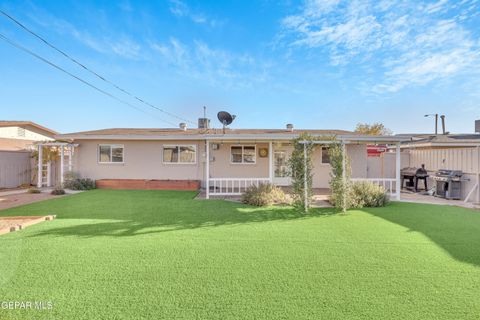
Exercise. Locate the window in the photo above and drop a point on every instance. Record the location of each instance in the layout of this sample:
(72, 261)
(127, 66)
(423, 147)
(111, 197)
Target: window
(325, 156)
(110, 153)
(243, 154)
(180, 154)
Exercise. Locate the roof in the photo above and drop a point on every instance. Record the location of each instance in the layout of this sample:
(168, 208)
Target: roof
(211, 134)
(9, 123)
(448, 140)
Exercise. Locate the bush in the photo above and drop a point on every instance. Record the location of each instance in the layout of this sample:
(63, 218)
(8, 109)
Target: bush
(34, 190)
(57, 191)
(367, 194)
(264, 194)
(74, 182)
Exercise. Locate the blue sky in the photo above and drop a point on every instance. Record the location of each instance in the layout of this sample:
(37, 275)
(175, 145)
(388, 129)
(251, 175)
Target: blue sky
(318, 64)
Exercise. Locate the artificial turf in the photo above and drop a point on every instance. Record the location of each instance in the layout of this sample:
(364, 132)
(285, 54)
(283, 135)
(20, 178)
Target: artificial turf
(162, 255)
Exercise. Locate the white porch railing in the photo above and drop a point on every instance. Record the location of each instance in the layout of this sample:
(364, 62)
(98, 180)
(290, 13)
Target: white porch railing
(232, 186)
(388, 184)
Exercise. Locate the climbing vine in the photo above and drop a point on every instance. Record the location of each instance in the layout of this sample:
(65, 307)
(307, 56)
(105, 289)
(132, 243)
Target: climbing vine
(301, 169)
(340, 185)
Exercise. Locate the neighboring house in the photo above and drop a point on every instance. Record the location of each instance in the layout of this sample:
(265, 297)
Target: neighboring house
(449, 151)
(21, 135)
(17, 139)
(132, 158)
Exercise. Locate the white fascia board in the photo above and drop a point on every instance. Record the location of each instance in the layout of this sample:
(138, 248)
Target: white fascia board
(235, 137)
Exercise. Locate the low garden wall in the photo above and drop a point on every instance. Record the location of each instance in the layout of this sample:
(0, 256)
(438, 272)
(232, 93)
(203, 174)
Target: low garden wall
(140, 184)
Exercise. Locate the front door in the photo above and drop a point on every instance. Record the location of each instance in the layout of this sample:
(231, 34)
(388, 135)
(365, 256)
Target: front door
(281, 176)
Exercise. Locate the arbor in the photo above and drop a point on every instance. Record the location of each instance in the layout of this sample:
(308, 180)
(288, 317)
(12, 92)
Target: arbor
(301, 167)
(375, 129)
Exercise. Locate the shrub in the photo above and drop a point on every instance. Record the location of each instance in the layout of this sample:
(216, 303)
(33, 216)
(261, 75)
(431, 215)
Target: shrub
(74, 182)
(34, 190)
(264, 194)
(367, 194)
(57, 191)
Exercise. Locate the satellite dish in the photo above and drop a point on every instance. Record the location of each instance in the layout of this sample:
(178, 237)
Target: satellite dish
(225, 118)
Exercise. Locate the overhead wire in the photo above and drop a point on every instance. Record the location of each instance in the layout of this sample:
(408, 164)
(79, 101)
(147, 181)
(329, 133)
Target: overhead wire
(24, 49)
(66, 55)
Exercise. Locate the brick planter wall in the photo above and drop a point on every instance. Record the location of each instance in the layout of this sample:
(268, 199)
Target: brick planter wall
(139, 184)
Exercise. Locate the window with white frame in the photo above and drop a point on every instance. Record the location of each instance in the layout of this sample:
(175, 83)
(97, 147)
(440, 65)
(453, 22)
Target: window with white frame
(110, 153)
(325, 155)
(243, 154)
(186, 154)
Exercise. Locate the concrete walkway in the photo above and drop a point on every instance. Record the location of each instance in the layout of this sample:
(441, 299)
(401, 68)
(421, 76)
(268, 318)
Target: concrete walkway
(408, 196)
(19, 197)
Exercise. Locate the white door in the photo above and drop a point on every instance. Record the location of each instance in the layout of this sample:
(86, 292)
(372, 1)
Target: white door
(280, 168)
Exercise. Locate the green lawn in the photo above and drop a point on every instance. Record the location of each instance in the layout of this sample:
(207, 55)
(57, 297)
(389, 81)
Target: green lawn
(163, 255)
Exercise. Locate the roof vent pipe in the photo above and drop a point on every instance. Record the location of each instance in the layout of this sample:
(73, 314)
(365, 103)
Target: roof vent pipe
(290, 127)
(443, 124)
(183, 126)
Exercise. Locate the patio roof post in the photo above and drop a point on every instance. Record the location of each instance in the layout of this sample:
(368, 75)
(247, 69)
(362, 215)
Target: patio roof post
(40, 166)
(70, 158)
(478, 173)
(62, 165)
(344, 177)
(270, 161)
(397, 172)
(305, 182)
(207, 169)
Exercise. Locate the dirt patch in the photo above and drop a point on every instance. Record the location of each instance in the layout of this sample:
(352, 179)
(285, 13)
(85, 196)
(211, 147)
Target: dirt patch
(15, 200)
(10, 224)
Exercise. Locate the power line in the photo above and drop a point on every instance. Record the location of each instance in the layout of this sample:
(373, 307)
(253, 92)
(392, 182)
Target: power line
(66, 55)
(20, 47)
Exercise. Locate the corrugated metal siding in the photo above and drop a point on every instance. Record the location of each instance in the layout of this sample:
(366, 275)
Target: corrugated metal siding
(465, 159)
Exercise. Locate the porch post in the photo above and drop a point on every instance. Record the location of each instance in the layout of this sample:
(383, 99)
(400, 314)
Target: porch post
(62, 168)
(344, 177)
(397, 172)
(305, 182)
(270, 161)
(478, 173)
(207, 169)
(49, 173)
(40, 166)
(70, 160)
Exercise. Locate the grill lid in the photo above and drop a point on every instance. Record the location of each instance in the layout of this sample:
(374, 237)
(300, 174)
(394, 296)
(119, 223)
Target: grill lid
(449, 173)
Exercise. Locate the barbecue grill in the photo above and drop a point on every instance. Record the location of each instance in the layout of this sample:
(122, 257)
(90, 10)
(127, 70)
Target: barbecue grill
(412, 175)
(448, 183)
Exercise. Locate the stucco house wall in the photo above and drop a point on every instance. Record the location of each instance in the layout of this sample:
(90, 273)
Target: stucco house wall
(144, 160)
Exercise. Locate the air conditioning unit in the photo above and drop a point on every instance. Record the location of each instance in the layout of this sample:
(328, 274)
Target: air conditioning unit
(215, 146)
(477, 126)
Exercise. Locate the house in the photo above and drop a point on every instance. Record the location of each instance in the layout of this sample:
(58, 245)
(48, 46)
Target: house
(21, 135)
(177, 158)
(448, 151)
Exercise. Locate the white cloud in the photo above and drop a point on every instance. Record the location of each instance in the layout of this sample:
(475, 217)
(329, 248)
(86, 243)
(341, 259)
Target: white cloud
(410, 43)
(212, 66)
(181, 10)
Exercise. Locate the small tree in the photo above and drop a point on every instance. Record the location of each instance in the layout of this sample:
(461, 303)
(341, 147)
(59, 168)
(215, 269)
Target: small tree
(340, 184)
(375, 129)
(301, 168)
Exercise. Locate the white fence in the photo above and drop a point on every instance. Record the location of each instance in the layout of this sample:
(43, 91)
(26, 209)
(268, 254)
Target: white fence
(15, 168)
(388, 184)
(232, 186)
